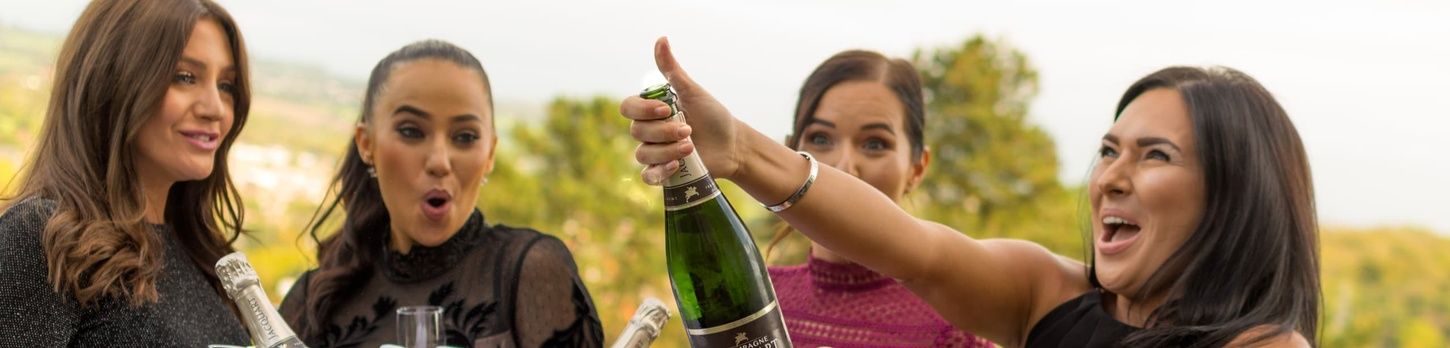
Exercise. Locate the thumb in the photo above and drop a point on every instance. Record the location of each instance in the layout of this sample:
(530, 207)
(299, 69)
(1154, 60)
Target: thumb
(665, 61)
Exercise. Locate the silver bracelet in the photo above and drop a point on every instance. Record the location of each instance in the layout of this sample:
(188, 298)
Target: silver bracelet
(796, 197)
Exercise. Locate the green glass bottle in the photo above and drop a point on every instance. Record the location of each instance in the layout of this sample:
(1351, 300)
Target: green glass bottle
(720, 283)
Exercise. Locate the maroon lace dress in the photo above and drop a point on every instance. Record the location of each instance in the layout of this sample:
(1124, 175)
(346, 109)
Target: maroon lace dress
(848, 305)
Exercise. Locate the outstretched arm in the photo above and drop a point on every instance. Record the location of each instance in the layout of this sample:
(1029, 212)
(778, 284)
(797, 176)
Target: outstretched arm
(996, 288)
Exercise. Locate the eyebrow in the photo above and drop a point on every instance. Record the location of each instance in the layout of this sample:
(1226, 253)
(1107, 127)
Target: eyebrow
(878, 125)
(409, 109)
(1150, 141)
(1145, 141)
(823, 122)
(199, 64)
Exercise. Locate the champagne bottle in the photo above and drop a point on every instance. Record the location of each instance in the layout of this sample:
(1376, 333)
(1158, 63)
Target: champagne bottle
(724, 293)
(242, 284)
(645, 326)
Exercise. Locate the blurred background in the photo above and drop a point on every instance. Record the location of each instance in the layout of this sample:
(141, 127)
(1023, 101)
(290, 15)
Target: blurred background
(1020, 92)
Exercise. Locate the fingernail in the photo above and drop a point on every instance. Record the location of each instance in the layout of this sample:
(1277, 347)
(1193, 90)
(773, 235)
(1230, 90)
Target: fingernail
(662, 111)
(683, 131)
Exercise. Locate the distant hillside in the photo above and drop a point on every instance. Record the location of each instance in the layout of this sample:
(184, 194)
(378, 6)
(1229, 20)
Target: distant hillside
(25, 67)
(301, 107)
(298, 106)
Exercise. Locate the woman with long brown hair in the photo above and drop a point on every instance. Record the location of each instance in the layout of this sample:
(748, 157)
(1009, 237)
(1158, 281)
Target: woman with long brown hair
(863, 114)
(1203, 224)
(411, 230)
(127, 202)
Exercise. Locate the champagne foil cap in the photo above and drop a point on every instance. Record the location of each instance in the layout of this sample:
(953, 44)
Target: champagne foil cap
(653, 315)
(660, 92)
(236, 273)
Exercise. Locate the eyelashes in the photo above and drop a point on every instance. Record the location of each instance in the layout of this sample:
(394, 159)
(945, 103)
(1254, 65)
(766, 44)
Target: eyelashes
(412, 132)
(183, 77)
(1153, 154)
(187, 78)
(821, 140)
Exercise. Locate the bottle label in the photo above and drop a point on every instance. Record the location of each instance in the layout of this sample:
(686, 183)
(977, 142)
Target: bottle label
(764, 329)
(690, 186)
(257, 312)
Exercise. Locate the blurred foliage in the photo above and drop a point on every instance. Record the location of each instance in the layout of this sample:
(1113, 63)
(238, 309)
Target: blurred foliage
(1385, 287)
(993, 173)
(26, 60)
(568, 171)
(571, 175)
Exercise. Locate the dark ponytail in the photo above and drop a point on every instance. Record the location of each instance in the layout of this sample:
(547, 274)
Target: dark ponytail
(345, 258)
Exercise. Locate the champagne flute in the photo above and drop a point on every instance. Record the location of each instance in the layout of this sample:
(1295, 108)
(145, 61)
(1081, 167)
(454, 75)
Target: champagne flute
(418, 326)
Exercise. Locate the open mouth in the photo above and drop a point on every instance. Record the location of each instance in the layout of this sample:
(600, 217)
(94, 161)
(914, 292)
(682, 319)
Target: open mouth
(1119, 233)
(1117, 229)
(436, 203)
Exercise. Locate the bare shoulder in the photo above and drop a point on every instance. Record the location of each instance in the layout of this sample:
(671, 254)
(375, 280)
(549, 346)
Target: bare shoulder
(1061, 278)
(1069, 275)
(1291, 339)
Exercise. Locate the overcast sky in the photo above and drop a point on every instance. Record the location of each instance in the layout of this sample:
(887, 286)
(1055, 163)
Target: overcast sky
(1366, 82)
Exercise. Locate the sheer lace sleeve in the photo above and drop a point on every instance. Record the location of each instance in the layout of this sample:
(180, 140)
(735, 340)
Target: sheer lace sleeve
(553, 308)
(31, 312)
(294, 302)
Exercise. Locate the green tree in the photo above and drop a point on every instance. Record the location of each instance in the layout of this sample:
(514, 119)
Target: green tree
(572, 175)
(993, 173)
(1384, 287)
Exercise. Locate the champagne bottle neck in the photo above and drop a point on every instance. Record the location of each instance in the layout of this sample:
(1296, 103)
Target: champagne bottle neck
(691, 169)
(645, 326)
(267, 327)
(690, 186)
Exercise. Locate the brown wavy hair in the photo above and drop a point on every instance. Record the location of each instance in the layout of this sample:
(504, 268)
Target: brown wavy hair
(345, 257)
(114, 69)
(859, 65)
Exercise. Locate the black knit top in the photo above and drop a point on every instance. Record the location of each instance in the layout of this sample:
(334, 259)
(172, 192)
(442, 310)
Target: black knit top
(189, 313)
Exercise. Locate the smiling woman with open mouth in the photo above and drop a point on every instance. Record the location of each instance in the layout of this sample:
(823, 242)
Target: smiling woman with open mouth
(1203, 221)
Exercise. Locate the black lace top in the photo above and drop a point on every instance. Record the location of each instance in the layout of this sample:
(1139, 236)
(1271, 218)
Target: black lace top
(499, 286)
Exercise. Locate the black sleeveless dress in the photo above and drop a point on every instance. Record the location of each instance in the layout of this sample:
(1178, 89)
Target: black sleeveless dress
(1080, 322)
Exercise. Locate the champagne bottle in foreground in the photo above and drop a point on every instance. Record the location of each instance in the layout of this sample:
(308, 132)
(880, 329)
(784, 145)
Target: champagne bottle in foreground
(721, 285)
(645, 326)
(242, 285)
